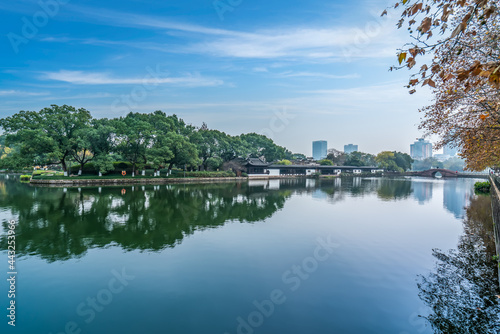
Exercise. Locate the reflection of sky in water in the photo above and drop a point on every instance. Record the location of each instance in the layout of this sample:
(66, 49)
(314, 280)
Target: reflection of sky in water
(422, 191)
(456, 197)
(203, 253)
(456, 193)
(319, 194)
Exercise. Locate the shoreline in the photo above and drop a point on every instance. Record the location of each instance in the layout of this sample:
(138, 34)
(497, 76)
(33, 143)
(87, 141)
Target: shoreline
(129, 181)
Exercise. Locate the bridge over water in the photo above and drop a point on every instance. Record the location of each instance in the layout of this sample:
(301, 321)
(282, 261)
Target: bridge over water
(447, 173)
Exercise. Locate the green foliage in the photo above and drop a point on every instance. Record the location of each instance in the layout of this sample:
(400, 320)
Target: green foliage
(359, 159)
(325, 162)
(25, 177)
(257, 145)
(133, 136)
(394, 161)
(90, 177)
(284, 162)
(213, 163)
(204, 174)
(338, 158)
(298, 156)
(403, 160)
(65, 135)
(482, 187)
(46, 172)
(52, 132)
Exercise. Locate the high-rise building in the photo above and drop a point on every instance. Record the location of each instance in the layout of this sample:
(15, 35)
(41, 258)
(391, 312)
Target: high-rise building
(449, 150)
(421, 149)
(319, 149)
(349, 148)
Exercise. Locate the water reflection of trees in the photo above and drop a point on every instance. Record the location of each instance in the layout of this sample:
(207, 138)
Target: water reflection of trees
(394, 189)
(59, 224)
(462, 290)
(339, 189)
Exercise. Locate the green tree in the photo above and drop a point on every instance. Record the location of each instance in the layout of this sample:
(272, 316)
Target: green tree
(387, 160)
(298, 156)
(213, 163)
(359, 159)
(52, 132)
(338, 158)
(257, 146)
(159, 153)
(134, 136)
(184, 153)
(284, 162)
(102, 144)
(325, 162)
(403, 160)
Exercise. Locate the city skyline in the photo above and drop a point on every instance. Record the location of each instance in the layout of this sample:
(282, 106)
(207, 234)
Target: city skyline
(319, 149)
(421, 149)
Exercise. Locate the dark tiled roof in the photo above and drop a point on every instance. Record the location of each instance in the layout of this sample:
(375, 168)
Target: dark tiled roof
(257, 162)
(321, 167)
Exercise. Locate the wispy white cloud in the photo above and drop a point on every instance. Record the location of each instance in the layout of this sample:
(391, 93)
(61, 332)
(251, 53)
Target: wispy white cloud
(123, 19)
(100, 78)
(80, 96)
(20, 93)
(317, 75)
(315, 43)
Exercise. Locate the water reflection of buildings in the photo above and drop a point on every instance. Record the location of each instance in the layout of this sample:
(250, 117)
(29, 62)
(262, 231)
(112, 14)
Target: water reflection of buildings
(456, 197)
(422, 191)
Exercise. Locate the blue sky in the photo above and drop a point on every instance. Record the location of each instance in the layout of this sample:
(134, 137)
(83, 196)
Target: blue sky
(296, 71)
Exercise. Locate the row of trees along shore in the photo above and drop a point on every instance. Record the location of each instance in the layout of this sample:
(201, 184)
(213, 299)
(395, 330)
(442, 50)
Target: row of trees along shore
(390, 161)
(65, 135)
(60, 134)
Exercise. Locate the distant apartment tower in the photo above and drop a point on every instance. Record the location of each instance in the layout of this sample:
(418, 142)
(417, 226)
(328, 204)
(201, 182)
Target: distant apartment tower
(451, 151)
(319, 149)
(421, 149)
(349, 148)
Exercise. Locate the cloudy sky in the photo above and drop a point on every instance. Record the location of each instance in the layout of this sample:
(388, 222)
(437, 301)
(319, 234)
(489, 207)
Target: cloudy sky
(294, 70)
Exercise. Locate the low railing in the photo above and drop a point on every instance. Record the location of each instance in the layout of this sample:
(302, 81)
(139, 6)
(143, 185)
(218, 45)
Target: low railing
(495, 208)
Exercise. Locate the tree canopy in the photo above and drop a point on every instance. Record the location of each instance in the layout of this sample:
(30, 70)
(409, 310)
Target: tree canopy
(63, 134)
(464, 72)
(394, 161)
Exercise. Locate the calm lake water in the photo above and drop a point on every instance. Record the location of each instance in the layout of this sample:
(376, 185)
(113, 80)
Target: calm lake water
(350, 255)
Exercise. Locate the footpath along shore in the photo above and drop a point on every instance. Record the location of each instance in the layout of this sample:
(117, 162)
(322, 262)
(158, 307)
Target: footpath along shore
(75, 181)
